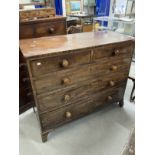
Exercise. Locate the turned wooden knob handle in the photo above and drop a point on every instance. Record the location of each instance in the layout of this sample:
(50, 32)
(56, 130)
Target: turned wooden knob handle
(109, 98)
(38, 63)
(66, 97)
(112, 83)
(68, 114)
(51, 30)
(66, 81)
(114, 68)
(29, 94)
(116, 52)
(65, 63)
(26, 79)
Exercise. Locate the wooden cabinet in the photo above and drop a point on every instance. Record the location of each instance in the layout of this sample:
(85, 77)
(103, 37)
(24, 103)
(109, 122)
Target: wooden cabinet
(26, 99)
(74, 75)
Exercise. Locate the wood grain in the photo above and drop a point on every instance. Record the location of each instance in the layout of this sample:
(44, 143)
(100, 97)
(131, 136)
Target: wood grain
(52, 64)
(56, 100)
(81, 108)
(26, 15)
(46, 46)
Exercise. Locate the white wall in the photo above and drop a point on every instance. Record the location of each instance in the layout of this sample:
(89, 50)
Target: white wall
(24, 1)
(64, 7)
(27, 1)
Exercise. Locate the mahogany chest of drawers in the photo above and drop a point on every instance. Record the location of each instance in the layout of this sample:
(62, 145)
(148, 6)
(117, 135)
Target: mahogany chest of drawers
(73, 75)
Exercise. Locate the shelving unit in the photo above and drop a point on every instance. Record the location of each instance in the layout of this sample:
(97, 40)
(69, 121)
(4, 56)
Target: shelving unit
(121, 25)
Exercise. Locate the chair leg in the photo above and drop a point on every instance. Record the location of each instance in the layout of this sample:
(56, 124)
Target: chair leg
(132, 97)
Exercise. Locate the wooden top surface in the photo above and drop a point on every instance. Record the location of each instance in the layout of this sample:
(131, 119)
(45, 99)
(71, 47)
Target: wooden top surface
(50, 45)
(54, 18)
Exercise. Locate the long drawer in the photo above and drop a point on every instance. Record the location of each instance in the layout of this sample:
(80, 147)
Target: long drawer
(86, 105)
(50, 28)
(42, 28)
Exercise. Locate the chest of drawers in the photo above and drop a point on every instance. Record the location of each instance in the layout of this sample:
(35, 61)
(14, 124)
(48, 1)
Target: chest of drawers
(74, 75)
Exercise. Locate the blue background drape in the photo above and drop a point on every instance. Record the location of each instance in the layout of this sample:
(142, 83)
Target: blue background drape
(58, 7)
(102, 7)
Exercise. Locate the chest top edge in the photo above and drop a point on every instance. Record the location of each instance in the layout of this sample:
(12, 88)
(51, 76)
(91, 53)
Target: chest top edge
(45, 46)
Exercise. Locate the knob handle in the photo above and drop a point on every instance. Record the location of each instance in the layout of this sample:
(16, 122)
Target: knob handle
(65, 63)
(25, 79)
(109, 98)
(38, 63)
(67, 98)
(29, 94)
(68, 114)
(66, 81)
(116, 52)
(51, 30)
(112, 83)
(114, 68)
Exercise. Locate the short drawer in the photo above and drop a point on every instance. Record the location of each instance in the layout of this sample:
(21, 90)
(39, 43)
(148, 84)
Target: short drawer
(111, 65)
(110, 95)
(118, 50)
(50, 28)
(87, 105)
(57, 63)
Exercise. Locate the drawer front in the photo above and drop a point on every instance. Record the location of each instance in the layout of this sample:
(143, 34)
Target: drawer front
(57, 63)
(62, 79)
(53, 119)
(111, 95)
(115, 51)
(62, 98)
(40, 29)
(111, 65)
(26, 31)
(50, 28)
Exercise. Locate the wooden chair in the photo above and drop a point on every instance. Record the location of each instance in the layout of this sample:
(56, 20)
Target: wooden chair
(74, 29)
(132, 96)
